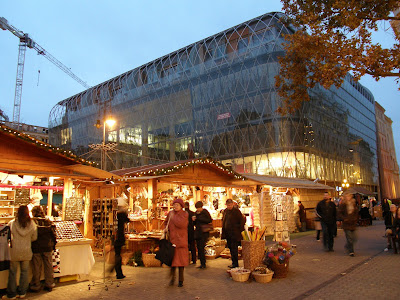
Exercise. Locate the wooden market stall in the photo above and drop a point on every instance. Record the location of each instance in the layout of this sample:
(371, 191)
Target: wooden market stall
(277, 197)
(150, 190)
(29, 167)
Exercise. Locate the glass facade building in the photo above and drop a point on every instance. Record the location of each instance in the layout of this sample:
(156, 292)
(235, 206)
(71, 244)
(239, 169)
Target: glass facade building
(217, 98)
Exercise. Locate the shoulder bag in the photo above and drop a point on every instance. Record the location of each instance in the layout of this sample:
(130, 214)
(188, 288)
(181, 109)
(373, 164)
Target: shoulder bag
(166, 251)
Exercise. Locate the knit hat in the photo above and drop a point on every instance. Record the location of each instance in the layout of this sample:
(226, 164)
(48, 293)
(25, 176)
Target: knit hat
(180, 201)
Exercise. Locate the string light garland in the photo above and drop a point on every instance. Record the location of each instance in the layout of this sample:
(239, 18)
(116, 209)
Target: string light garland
(167, 170)
(27, 138)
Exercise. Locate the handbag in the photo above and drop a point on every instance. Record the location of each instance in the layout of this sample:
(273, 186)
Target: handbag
(55, 254)
(166, 251)
(206, 227)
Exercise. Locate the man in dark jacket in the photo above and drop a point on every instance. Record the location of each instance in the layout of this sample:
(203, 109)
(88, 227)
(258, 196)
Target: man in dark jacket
(390, 219)
(191, 241)
(122, 217)
(302, 216)
(232, 225)
(348, 211)
(326, 210)
(42, 251)
(201, 219)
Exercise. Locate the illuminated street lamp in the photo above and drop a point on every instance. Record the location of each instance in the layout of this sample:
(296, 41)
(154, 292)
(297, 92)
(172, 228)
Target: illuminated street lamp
(110, 122)
(345, 184)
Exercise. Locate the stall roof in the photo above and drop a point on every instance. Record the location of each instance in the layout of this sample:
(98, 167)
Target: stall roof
(360, 190)
(22, 154)
(287, 182)
(168, 168)
(92, 172)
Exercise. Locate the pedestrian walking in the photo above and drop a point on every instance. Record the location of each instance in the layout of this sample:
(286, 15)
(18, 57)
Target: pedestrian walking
(178, 234)
(302, 216)
(23, 233)
(318, 227)
(326, 211)
(202, 219)
(348, 211)
(42, 251)
(122, 219)
(191, 240)
(396, 228)
(390, 224)
(385, 207)
(232, 226)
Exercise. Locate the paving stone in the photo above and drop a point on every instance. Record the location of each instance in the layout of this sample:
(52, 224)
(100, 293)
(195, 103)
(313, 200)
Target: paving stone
(313, 274)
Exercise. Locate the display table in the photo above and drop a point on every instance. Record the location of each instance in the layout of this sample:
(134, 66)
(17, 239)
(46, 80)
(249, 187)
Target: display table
(76, 258)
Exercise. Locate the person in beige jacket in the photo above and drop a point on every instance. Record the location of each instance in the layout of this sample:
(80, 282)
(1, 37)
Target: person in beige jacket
(23, 233)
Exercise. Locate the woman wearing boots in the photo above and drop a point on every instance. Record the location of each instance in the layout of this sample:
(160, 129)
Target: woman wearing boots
(177, 221)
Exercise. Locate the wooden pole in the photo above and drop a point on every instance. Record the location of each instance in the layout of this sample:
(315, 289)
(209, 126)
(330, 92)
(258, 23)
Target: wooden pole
(50, 197)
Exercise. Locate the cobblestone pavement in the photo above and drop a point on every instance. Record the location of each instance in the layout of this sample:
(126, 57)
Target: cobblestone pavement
(313, 274)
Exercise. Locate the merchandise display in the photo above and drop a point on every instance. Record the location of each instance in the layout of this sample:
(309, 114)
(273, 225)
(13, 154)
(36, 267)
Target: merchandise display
(104, 217)
(74, 209)
(7, 205)
(67, 231)
(22, 196)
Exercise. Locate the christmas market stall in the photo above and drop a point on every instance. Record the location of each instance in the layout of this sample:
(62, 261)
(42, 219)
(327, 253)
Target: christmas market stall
(31, 170)
(150, 191)
(277, 199)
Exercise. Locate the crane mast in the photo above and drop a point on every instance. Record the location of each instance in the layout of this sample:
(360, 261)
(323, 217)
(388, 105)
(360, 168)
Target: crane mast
(26, 41)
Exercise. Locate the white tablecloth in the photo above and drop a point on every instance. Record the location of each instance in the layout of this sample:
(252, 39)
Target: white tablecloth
(75, 259)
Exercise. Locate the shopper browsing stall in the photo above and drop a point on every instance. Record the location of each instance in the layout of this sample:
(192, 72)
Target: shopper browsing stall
(23, 233)
(202, 220)
(232, 225)
(42, 251)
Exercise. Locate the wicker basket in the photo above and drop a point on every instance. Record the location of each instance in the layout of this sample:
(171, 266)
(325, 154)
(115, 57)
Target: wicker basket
(263, 278)
(280, 270)
(149, 260)
(218, 250)
(252, 253)
(240, 276)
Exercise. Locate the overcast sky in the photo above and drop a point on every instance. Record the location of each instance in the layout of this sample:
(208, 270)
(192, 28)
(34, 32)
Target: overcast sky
(99, 39)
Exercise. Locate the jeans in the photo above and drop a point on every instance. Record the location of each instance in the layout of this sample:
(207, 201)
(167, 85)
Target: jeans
(351, 238)
(39, 259)
(328, 233)
(12, 290)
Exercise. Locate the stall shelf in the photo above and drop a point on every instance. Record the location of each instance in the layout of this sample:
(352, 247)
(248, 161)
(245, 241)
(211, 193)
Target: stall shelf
(7, 205)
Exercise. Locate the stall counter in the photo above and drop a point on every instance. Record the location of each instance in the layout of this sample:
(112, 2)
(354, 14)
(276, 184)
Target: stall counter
(76, 258)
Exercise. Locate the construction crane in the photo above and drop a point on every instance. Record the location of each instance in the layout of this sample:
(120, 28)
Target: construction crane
(26, 41)
(3, 115)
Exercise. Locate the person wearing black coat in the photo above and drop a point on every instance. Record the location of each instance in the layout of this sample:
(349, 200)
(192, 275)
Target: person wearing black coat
(232, 226)
(385, 207)
(201, 219)
(390, 224)
(191, 240)
(122, 217)
(42, 251)
(326, 210)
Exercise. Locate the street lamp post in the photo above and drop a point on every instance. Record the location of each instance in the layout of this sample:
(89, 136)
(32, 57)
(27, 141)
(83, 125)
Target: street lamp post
(110, 122)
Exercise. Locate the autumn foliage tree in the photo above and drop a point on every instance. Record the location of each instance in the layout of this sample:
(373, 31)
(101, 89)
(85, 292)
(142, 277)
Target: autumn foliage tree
(333, 37)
